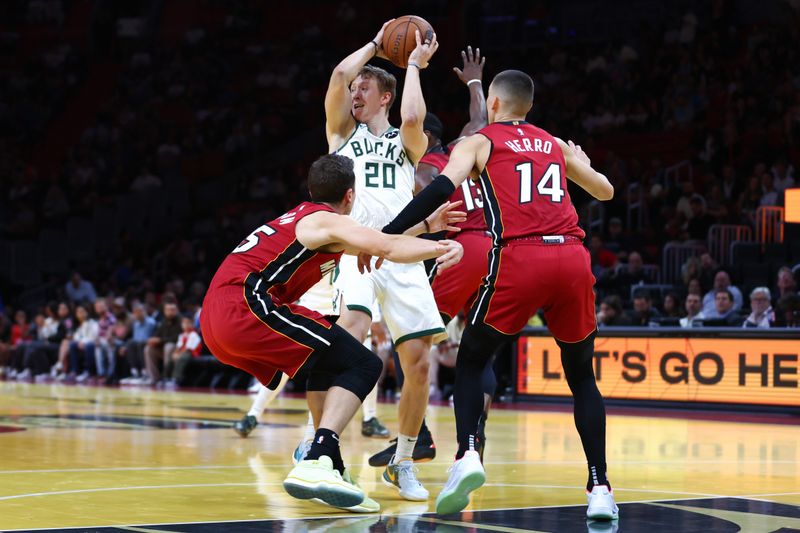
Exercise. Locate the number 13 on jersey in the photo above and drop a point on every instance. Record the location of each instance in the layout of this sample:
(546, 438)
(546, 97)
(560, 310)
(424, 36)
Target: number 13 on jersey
(548, 185)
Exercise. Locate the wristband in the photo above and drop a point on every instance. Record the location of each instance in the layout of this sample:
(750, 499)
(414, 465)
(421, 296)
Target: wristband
(473, 80)
(373, 43)
(427, 226)
(412, 64)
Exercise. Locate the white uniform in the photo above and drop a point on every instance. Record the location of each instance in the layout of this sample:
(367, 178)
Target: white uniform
(384, 186)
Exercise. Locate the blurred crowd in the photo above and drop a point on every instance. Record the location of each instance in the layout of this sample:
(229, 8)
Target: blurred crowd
(219, 109)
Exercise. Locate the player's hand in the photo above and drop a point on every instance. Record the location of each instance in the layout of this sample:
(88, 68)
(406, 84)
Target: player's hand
(424, 50)
(379, 40)
(579, 153)
(453, 251)
(365, 262)
(473, 65)
(445, 216)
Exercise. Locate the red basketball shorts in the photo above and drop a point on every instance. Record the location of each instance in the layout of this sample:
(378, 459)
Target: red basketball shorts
(456, 288)
(248, 330)
(525, 275)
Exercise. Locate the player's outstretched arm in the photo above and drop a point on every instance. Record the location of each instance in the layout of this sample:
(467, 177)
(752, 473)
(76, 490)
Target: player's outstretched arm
(412, 104)
(472, 76)
(332, 232)
(339, 121)
(580, 171)
(467, 158)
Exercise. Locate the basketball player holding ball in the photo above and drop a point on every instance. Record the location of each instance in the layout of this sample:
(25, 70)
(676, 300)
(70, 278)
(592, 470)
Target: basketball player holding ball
(357, 106)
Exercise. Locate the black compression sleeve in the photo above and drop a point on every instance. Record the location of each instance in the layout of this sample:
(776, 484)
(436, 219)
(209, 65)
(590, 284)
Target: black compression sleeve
(422, 205)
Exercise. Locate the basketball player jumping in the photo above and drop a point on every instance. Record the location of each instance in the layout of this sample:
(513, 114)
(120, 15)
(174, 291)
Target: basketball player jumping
(250, 322)
(357, 125)
(537, 260)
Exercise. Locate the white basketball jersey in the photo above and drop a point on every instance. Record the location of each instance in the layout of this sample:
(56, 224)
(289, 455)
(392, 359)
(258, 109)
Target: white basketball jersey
(384, 175)
(319, 297)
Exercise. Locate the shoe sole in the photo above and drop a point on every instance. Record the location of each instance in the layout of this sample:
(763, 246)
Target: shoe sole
(457, 500)
(603, 514)
(376, 435)
(360, 508)
(335, 495)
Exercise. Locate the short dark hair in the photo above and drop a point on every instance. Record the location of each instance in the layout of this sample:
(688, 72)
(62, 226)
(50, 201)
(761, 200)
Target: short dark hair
(726, 291)
(517, 87)
(433, 125)
(329, 178)
(387, 83)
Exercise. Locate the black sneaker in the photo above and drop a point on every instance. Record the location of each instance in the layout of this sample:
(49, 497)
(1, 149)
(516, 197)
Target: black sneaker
(424, 450)
(244, 426)
(374, 428)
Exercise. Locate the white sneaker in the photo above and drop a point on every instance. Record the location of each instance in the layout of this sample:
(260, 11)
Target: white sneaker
(601, 504)
(24, 375)
(82, 377)
(403, 477)
(466, 474)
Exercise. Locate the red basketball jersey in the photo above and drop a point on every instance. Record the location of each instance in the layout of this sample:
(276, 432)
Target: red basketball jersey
(525, 184)
(286, 267)
(469, 193)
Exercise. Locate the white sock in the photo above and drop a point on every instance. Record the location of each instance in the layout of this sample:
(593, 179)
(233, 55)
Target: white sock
(262, 398)
(405, 448)
(265, 397)
(369, 408)
(310, 431)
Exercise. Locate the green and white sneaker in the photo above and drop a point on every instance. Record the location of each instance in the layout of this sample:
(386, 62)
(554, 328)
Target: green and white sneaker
(301, 451)
(403, 477)
(466, 474)
(367, 506)
(316, 478)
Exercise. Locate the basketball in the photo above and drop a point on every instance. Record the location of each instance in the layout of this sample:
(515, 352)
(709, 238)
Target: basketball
(399, 39)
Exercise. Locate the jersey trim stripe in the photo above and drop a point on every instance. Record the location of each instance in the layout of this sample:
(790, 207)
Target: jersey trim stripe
(285, 259)
(355, 129)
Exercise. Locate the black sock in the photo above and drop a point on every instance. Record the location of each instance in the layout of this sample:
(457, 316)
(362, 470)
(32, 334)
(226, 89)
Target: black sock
(597, 476)
(326, 442)
(470, 444)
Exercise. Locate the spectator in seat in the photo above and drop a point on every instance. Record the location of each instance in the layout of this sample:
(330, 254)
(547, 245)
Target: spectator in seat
(602, 258)
(789, 311)
(782, 174)
(159, 348)
(671, 306)
(104, 347)
(724, 309)
(769, 195)
(644, 314)
(120, 332)
(82, 347)
(611, 314)
(189, 345)
(697, 227)
(59, 371)
(620, 280)
(786, 283)
(80, 291)
(42, 353)
(694, 311)
(21, 334)
(694, 287)
(722, 280)
(616, 240)
(143, 327)
(762, 315)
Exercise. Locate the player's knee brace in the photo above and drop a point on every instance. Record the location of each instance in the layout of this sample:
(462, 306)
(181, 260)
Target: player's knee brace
(577, 360)
(362, 375)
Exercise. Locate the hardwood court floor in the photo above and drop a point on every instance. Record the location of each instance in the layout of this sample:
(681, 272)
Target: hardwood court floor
(141, 459)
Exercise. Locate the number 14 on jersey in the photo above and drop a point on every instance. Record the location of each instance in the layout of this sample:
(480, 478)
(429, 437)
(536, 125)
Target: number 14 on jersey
(548, 185)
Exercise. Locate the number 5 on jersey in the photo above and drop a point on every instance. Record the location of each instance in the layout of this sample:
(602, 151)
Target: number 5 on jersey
(252, 240)
(548, 185)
